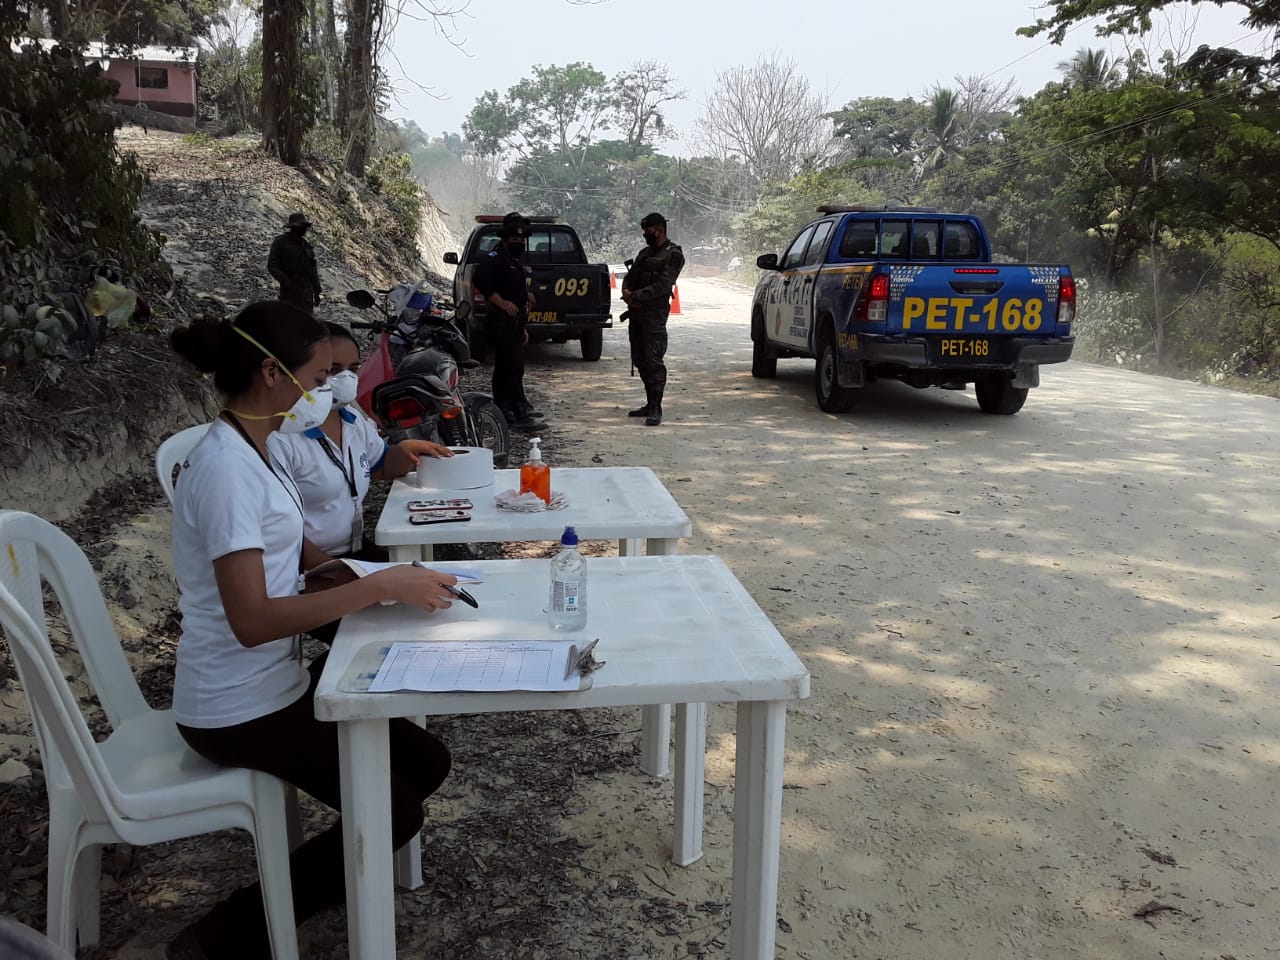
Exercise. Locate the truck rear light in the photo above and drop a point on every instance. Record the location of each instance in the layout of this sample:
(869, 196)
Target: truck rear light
(405, 411)
(874, 307)
(984, 270)
(1066, 300)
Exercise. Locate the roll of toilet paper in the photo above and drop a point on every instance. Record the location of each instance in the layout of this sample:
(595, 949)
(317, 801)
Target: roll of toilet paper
(470, 468)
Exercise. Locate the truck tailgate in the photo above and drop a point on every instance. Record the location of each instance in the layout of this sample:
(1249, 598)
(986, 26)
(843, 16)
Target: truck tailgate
(570, 293)
(1010, 299)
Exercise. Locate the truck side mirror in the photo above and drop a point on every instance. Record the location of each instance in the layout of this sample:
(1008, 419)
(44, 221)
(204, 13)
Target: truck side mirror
(767, 261)
(451, 257)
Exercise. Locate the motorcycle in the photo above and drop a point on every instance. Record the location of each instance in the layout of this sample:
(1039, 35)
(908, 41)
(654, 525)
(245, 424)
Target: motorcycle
(420, 399)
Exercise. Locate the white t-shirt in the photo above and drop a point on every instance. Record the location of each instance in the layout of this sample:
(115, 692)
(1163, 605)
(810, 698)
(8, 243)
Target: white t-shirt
(329, 506)
(228, 500)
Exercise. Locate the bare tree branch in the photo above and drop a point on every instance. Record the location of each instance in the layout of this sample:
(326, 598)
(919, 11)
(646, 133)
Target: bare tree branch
(768, 117)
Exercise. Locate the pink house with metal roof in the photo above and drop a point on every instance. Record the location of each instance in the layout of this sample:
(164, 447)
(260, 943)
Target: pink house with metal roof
(159, 78)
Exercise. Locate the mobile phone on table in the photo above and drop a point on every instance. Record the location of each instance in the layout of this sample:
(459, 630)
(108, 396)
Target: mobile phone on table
(458, 503)
(439, 516)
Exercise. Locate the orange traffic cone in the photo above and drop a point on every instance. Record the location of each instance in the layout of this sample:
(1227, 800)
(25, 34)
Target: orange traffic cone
(675, 299)
(613, 280)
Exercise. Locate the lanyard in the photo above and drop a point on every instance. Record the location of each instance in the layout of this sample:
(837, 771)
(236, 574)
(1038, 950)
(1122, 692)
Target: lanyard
(293, 498)
(348, 475)
(297, 502)
(357, 516)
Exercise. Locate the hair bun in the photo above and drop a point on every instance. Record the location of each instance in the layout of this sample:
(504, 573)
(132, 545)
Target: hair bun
(204, 343)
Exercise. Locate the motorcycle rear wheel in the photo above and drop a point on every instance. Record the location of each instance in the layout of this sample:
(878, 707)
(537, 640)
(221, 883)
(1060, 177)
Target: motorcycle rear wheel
(489, 426)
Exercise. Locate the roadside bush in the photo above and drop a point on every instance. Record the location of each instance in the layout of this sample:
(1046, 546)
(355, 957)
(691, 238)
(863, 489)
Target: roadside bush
(68, 198)
(391, 177)
(1110, 328)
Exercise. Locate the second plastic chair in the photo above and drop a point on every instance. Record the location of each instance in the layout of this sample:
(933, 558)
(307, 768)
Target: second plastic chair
(142, 784)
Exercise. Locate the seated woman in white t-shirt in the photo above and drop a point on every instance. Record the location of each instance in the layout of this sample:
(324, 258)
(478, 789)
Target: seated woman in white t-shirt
(332, 464)
(241, 694)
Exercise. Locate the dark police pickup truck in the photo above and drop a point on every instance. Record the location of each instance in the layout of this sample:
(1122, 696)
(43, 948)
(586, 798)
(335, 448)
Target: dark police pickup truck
(910, 294)
(573, 299)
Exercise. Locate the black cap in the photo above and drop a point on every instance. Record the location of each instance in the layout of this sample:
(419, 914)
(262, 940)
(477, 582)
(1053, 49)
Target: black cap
(299, 220)
(653, 220)
(514, 225)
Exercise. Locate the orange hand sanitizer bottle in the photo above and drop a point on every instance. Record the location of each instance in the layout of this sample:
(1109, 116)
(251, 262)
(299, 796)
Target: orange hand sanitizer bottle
(535, 476)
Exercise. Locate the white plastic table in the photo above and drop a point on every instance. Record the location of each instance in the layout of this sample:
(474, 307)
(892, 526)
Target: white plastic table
(672, 629)
(627, 504)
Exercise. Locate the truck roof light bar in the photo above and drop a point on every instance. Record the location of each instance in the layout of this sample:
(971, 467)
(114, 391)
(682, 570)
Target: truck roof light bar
(497, 218)
(830, 208)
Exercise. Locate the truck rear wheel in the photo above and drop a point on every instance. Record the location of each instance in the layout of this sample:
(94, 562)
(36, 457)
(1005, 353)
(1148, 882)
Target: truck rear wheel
(764, 362)
(832, 397)
(592, 342)
(997, 394)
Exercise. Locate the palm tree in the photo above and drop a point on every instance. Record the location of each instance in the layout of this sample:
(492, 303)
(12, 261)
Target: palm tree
(1089, 70)
(942, 116)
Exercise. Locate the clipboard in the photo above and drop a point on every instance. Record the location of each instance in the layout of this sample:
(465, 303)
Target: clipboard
(368, 661)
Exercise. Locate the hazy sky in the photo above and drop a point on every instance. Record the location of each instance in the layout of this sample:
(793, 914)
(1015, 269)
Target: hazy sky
(847, 48)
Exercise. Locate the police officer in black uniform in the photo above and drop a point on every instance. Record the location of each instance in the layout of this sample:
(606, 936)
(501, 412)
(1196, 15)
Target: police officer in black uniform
(647, 291)
(292, 261)
(500, 276)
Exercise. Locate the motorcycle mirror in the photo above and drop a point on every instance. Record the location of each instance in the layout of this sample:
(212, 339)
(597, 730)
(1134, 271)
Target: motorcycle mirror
(360, 299)
(463, 311)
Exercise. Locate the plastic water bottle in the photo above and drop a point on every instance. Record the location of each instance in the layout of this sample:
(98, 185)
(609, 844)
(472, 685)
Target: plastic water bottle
(567, 610)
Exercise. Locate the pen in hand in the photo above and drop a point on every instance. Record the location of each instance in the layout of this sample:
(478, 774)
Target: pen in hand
(456, 591)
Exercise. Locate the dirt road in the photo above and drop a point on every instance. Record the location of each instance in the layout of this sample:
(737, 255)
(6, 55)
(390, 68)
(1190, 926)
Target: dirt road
(1043, 647)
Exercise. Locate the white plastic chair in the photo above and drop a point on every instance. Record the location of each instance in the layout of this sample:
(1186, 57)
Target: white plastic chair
(141, 785)
(173, 453)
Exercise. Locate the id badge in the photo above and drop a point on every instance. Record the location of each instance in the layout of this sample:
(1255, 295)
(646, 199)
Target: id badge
(357, 529)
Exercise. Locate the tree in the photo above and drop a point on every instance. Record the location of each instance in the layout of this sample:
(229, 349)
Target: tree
(1134, 16)
(283, 114)
(879, 127)
(942, 118)
(769, 117)
(356, 97)
(639, 93)
(230, 85)
(1089, 69)
(559, 111)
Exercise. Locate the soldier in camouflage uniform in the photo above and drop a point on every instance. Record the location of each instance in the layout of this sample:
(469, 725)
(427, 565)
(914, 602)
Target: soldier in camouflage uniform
(647, 291)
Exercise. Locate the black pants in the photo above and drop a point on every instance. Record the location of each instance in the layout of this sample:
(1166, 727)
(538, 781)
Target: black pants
(304, 300)
(648, 335)
(292, 744)
(507, 336)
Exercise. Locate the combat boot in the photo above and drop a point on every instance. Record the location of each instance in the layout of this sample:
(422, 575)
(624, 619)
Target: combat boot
(654, 416)
(639, 411)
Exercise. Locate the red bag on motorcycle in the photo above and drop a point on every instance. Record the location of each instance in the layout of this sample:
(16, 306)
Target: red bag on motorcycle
(376, 369)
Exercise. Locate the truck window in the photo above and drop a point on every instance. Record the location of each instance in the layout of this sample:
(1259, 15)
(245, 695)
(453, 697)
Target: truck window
(818, 245)
(486, 243)
(895, 237)
(859, 240)
(960, 242)
(925, 239)
(553, 246)
(795, 253)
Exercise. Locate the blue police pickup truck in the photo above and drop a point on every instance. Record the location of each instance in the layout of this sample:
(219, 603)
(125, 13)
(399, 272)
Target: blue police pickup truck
(910, 294)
